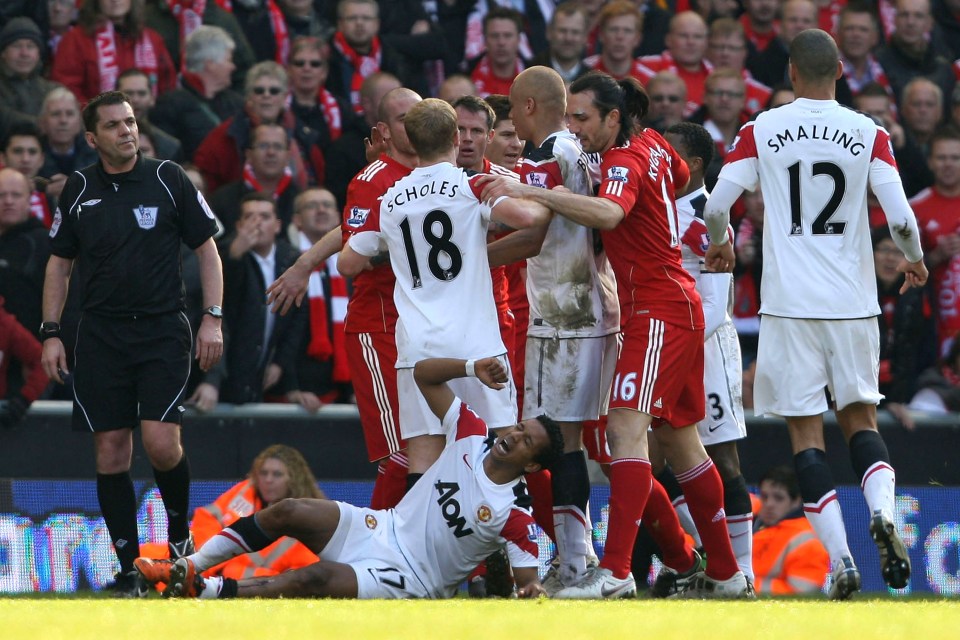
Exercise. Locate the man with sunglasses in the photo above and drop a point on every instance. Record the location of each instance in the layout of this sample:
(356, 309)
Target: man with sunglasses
(668, 96)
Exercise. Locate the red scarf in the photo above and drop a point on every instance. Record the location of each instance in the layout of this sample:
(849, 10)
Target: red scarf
(327, 343)
(144, 57)
(251, 180)
(363, 65)
(189, 13)
(277, 23)
(40, 208)
(487, 82)
(331, 113)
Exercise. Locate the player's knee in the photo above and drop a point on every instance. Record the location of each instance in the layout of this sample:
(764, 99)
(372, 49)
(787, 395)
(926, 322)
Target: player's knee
(281, 515)
(725, 459)
(312, 580)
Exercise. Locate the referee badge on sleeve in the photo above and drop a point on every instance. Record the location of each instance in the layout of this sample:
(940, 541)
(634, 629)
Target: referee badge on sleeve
(146, 216)
(57, 219)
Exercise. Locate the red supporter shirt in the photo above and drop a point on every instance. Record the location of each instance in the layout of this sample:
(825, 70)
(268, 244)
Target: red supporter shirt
(637, 70)
(371, 308)
(644, 249)
(759, 40)
(693, 79)
(937, 217)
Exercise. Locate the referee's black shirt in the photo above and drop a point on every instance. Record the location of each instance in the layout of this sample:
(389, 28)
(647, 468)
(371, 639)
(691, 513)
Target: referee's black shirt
(124, 231)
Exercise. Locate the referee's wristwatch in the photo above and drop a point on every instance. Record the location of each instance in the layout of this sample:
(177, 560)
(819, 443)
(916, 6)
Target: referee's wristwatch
(49, 330)
(214, 312)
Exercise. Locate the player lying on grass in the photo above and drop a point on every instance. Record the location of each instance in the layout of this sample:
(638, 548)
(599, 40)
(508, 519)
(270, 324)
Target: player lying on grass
(463, 509)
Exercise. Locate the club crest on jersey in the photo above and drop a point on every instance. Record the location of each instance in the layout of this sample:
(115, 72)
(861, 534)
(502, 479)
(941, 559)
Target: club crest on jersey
(146, 216)
(532, 535)
(617, 173)
(57, 219)
(537, 180)
(357, 217)
(484, 514)
(370, 521)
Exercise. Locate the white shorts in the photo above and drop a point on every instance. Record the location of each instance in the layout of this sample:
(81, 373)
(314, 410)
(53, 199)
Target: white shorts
(364, 540)
(723, 383)
(797, 358)
(496, 408)
(569, 379)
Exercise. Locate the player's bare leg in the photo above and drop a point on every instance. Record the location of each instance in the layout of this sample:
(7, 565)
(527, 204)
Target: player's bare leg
(820, 503)
(871, 462)
(319, 580)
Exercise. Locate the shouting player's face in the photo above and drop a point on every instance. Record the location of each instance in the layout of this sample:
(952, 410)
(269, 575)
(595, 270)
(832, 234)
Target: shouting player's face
(596, 133)
(520, 444)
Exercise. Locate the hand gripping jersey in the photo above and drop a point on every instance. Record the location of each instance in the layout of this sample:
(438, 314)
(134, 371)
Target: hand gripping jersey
(644, 249)
(455, 516)
(371, 308)
(570, 285)
(435, 227)
(814, 160)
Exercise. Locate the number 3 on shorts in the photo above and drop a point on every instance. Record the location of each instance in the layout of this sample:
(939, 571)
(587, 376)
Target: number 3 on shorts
(626, 388)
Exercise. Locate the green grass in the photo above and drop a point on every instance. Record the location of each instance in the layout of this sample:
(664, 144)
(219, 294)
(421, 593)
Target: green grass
(462, 619)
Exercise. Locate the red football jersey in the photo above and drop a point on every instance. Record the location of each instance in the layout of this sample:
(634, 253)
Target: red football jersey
(644, 249)
(371, 308)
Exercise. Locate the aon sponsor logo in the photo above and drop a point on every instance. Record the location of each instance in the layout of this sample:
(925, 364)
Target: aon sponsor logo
(450, 508)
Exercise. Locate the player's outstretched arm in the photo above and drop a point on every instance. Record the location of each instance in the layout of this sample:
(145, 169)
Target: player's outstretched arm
(350, 263)
(291, 286)
(432, 375)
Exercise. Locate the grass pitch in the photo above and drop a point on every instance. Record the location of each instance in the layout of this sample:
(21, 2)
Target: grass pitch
(462, 619)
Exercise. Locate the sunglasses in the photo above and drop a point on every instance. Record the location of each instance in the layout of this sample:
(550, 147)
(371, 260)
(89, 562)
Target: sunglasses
(663, 98)
(316, 64)
(274, 91)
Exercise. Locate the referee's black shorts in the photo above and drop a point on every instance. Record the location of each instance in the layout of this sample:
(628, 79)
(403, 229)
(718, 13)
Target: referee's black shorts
(130, 369)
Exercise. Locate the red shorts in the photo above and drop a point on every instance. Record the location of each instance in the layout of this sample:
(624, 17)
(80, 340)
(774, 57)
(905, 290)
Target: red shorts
(373, 359)
(595, 440)
(660, 372)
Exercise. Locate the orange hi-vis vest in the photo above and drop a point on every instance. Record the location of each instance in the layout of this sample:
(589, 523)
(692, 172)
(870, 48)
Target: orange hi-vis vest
(239, 501)
(788, 558)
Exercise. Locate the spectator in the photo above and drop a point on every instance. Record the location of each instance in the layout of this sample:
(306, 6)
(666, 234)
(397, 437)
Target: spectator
(278, 472)
(61, 16)
(910, 52)
(494, 70)
(357, 51)
(921, 110)
(220, 155)
(456, 86)
(109, 38)
(908, 342)
(320, 116)
(65, 149)
(760, 24)
(770, 65)
(17, 345)
(135, 84)
(177, 20)
(350, 149)
(782, 94)
(619, 32)
(939, 386)
(266, 170)
(262, 348)
(727, 48)
(787, 556)
(23, 151)
(722, 114)
(946, 15)
(263, 25)
(668, 98)
(567, 37)
(322, 366)
(304, 20)
(413, 28)
(857, 37)
(656, 24)
(24, 250)
(686, 48)
(22, 87)
(938, 215)
(877, 101)
(203, 99)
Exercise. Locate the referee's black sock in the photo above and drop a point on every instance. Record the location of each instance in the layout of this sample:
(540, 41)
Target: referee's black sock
(174, 485)
(118, 503)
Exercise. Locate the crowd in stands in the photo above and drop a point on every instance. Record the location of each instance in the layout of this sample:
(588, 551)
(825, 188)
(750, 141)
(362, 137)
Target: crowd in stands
(271, 106)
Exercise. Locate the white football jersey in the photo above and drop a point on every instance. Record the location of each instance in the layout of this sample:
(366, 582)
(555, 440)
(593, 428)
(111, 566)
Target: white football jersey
(435, 227)
(813, 160)
(570, 285)
(455, 516)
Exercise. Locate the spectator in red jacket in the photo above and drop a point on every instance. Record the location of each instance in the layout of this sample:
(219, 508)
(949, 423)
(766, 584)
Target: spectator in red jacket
(109, 38)
(20, 346)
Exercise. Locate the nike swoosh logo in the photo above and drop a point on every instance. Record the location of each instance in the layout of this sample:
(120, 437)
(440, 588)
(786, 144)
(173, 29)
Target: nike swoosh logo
(608, 592)
(712, 429)
(467, 462)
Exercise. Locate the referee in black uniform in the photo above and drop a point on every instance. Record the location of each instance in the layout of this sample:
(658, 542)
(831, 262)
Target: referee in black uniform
(118, 230)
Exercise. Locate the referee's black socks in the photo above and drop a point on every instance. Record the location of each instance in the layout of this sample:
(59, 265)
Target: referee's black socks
(174, 486)
(118, 503)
